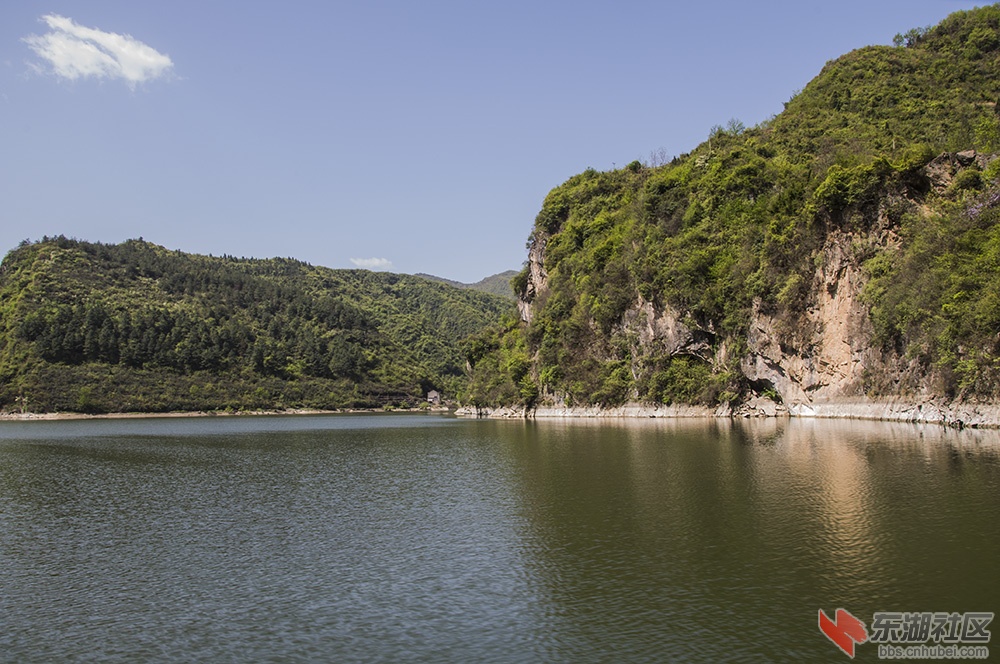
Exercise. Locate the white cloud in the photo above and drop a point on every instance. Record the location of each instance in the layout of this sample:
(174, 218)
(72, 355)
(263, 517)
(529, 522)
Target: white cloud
(372, 263)
(74, 51)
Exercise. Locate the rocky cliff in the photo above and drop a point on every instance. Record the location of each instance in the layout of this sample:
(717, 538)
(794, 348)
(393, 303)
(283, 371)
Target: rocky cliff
(826, 362)
(842, 258)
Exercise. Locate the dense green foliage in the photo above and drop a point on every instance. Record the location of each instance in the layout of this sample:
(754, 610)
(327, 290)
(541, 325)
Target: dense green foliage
(135, 327)
(739, 223)
(935, 298)
(497, 284)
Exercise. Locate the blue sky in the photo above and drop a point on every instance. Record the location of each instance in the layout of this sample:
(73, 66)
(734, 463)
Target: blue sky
(410, 136)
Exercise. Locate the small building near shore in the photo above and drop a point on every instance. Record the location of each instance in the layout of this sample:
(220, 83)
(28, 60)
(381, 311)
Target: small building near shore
(434, 398)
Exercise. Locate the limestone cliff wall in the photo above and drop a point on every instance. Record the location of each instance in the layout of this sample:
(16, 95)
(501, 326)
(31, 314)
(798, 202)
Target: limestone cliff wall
(827, 352)
(538, 278)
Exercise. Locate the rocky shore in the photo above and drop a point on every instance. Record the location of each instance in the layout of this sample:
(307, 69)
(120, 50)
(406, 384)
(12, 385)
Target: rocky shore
(957, 415)
(628, 410)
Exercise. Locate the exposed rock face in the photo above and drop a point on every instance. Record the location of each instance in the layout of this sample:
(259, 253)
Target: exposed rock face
(941, 171)
(664, 329)
(760, 407)
(538, 278)
(827, 354)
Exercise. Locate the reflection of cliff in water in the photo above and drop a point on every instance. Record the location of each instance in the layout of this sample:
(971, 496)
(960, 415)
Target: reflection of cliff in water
(686, 525)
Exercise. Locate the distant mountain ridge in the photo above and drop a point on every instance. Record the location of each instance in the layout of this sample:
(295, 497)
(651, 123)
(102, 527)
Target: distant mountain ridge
(497, 284)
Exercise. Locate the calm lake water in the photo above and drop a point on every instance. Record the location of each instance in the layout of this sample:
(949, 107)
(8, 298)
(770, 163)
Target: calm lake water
(397, 538)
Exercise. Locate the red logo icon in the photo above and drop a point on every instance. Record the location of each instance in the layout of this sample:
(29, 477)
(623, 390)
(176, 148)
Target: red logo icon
(845, 630)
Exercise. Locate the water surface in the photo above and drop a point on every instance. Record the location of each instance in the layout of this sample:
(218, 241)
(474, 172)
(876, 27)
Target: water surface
(428, 538)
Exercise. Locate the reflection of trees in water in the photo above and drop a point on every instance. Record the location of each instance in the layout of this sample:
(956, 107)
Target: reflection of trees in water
(680, 525)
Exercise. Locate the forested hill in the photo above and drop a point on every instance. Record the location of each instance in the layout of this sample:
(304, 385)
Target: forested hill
(498, 284)
(136, 327)
(846, 249)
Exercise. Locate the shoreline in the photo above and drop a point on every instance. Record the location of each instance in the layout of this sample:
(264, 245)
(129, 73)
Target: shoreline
(961, 415)
(53, 417)
(954, 415)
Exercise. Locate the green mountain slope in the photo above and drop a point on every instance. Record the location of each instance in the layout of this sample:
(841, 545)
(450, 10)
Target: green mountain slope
(497, 284)
(843, 249)
(136, 327)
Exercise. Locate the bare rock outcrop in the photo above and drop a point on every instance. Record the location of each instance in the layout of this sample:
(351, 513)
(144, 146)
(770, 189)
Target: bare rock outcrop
(664, 328)
(538, 279)
(824, 354)
(941, 170)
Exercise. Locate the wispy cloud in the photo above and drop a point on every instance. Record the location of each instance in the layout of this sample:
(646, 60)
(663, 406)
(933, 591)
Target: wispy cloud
(74, 51)
(372, 263)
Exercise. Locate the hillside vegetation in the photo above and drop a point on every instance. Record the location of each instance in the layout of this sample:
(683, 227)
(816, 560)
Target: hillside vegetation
(136, 327)
(739, 235)
(497, 284)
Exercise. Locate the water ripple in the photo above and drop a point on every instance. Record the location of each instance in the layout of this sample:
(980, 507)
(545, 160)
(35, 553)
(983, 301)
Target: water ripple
(481, 541)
